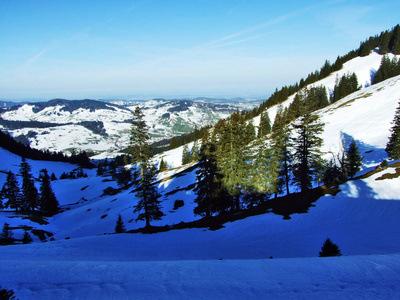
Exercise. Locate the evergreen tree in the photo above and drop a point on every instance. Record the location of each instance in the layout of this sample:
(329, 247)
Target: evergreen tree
(26, 239)
(148, 195)
(329, 249)
(163, 165)
(353, 159)
(393, 145)
(194, 153)
(30, 199)
(232, 157)
(11, 192)
(209, 186)
(119, 226)
(6, 236)
(6, 294)
(395, 40)
(250, 133)
(306, 149)
(139, 146)
(124, 176)
(265, 125)
(49, 205)
(185, 155)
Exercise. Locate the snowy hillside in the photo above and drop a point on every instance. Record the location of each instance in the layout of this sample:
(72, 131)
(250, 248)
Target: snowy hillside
(259, 257)
(101, 127)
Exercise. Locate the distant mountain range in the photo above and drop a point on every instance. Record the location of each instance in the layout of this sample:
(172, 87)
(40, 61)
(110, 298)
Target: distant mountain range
(103, 126)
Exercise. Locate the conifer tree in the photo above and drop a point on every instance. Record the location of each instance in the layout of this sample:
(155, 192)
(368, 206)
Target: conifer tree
(49, 205)
(11, 192)
(119, 225)
(393, 145)
(307, 145)
(353, 159)
(250, 132)
(6, 236)
(6, 294)
(265, 125)
(26, 239)
(139, 146)
(30, 195)
(163, 165)
(148, 205)
(185, 155)
(194, 153)
(208, 177)
(329, 249)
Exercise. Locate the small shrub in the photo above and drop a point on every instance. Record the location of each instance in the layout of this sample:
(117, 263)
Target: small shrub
(110, 191)
(329, 249)
(178, 203)
(384, 163)
(119, 226)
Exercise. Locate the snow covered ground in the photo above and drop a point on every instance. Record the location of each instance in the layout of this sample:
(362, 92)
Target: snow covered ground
(260, 257)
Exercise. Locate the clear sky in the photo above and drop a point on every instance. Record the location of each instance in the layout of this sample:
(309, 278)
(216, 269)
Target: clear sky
(142, 49)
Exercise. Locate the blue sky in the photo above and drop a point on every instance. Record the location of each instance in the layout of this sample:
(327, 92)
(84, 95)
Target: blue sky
(144, 49)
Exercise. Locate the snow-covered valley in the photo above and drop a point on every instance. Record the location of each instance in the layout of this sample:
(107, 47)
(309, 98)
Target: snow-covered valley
(259, 257)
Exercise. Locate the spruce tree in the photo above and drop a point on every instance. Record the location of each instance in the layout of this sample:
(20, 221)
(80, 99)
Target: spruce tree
(353, 159)
(265, 125)
(185, 155)
(329, 249)
(163, 165)
(6, 236)
(194, 153)
(11, 192)
(26, 239)
(208, 177)
(49, 205)
(6, 294)
(393, 145)
(139, 146)
(30, 195)
(119, 225)
(148, 205)
(307, 143)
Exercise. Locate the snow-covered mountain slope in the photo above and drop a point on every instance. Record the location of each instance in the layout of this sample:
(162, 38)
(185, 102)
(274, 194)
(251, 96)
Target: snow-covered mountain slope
(100, 127)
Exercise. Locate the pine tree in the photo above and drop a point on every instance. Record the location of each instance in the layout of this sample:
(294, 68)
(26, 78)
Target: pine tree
(185, 155)
(6, 236)
(329, 249)
(194, 153)
(30, 199)
(209, 186)
(12, 192)
(26, 239)
(148, 195)
(265, 125)
(393, 145)
(139, 145)
(6, 294)
(119, 225)
(353, 159)
(49, 205)
(306, 149)
(163, 165)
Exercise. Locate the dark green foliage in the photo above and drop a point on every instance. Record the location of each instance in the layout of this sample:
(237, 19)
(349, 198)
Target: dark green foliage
(185, 155)
(30, 195)
(353, 159)
(6, 294)
(119, 226)
(329, 249)
(345, 86)
(265, 125)
(194, 153)
(139, 146)
(6, 236)
(393, 145)
(11, 192)
(307, 156)
(250, 132)
(26, 239)
(209, 182)
(148, 195)
(163, 165)
(48, 203)
(387, 69)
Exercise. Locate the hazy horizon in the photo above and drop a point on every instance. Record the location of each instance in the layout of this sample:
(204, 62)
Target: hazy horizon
(174, 49)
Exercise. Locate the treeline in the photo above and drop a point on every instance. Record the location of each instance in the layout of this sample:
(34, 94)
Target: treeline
(9, 143)
(237, 171)
(387, 41)
(387, 69)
